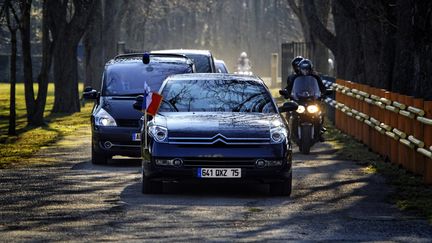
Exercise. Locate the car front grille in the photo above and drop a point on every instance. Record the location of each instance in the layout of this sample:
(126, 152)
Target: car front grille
(219, 163)
(218, 139)
(127, 122)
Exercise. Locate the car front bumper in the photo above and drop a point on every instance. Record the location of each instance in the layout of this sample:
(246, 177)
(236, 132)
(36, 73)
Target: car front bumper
(119, 139)
(194, 158)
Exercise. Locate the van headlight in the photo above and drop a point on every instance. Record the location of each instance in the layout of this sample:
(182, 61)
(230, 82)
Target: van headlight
(104, 119)
(312, 109)
(278, 135)
(159, 133)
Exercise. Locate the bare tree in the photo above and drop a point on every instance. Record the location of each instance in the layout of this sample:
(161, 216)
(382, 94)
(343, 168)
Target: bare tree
(318, 49)
(8, 14)
(68, 22)
(345, 43)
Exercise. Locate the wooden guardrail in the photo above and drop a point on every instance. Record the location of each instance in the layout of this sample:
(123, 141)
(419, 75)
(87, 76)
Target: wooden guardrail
(396, 126)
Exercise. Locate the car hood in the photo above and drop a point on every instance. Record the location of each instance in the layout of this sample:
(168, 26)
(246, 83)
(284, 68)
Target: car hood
(224, 124)
(121, 108)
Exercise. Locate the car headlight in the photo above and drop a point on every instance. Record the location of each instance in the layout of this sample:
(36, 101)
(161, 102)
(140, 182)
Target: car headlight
(104, 119)
(159, 133)
(278, 135)
(300, 109)
(312, 109)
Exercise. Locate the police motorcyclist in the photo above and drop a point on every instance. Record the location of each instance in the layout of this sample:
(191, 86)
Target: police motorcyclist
(306, 69)
(296, 72)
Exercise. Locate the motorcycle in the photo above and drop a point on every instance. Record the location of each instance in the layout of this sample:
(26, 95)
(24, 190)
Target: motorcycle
(306, 122)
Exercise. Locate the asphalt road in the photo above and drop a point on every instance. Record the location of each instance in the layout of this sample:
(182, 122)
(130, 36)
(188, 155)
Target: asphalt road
(74, 200)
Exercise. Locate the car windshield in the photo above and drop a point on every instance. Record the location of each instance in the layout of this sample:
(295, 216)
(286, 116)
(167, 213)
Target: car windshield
(202, 62)
(305, 87)
(216, 96)
(128, 79)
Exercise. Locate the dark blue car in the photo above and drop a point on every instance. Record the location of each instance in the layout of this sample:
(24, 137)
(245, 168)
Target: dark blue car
(217, 127)
(115, 124)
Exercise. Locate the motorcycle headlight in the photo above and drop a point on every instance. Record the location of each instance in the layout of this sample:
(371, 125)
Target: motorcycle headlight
(312, 109)
(159, 133)
(278, 135)
(300, 109)
(104, 119)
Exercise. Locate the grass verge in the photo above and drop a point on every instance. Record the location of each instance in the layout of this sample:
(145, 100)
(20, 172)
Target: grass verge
(15, 151)
(411, 194)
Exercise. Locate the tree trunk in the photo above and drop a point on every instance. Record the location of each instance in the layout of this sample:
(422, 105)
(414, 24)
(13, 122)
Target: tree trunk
(413, 65)
(349, 54)
(66, 76)
(346, 44)
(66, 36)
(94, 48)
(25, 28)
(43, 76)
(320, 51)
(12, 108)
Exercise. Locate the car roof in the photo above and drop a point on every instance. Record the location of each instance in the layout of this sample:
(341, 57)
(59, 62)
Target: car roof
(135, 58)
(184, 51)
(219, 61)
(216, 76)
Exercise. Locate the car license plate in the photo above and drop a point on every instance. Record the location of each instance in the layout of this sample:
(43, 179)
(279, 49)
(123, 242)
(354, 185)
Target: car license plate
(219, 173)
(136, 136)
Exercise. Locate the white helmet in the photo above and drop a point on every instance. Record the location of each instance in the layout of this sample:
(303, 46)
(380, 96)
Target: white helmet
(243, 55)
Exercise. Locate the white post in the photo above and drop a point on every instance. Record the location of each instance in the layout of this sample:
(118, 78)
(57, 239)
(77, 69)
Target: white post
(145, 130)
(274, 70)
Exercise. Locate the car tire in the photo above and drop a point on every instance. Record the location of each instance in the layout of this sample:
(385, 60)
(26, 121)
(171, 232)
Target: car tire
(149, 186)
(99, 158)
(282, 188)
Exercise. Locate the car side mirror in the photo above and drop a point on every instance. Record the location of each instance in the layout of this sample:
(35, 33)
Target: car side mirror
(284, 93)
(288, 106)
(137, 105)
(90, 93)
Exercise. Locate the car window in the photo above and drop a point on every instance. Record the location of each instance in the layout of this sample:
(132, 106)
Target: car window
(221, 68)
(124, 79)
(216, 95)
(202, 62)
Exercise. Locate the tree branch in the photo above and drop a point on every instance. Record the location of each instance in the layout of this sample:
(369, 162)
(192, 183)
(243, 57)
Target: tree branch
(317, 27)
(295, 8)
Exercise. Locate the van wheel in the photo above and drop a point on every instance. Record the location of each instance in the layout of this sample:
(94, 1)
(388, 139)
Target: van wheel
(99, 158)
(283, 188)
(151, 187)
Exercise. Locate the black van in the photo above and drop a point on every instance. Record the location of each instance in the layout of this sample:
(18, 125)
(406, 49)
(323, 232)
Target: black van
(115, 124)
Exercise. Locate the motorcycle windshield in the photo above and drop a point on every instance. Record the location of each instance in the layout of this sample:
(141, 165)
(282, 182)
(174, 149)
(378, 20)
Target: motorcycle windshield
(305, 87)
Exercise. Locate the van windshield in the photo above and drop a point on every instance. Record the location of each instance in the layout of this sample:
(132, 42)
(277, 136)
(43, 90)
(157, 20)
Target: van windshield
(128, 78)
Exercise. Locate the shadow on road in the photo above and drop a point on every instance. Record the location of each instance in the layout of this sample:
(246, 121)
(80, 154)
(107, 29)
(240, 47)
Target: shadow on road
(114, 165)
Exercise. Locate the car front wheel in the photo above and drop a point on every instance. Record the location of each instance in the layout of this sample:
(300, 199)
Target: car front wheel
(99, 158)
(282, 188)
(151, 187)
